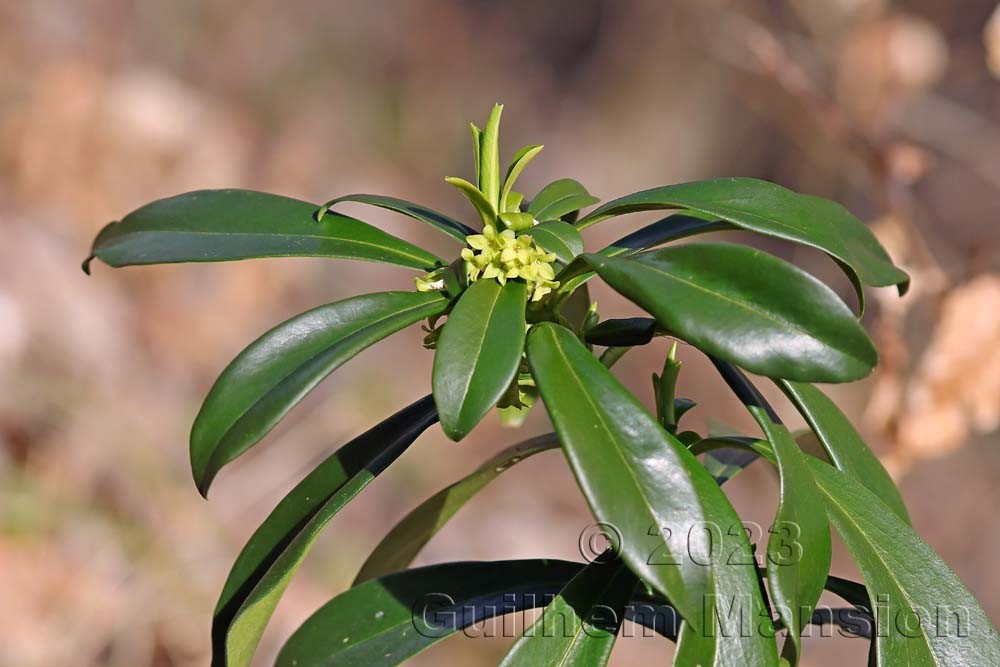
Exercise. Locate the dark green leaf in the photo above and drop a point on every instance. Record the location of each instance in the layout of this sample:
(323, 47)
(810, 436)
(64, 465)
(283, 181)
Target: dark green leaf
(223, 225)
(277, 370)
(626, 332)
(398, 549)
(560, 238)
(580, 625)
(798, 551)
(846, 449)
(668, 229)
(266, 565)
(746, 307)
(440, 221)
(559, 198)
(478, 353)
(386, 621)
(767, 208)
(678, 531)
(924, 615)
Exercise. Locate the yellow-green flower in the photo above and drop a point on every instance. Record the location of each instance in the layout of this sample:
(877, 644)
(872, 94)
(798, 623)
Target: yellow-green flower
(506, 256)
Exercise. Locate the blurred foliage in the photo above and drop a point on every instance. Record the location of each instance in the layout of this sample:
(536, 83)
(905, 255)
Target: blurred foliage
(107, 553)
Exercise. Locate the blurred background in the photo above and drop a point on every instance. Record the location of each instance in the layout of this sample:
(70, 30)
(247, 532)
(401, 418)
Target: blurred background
(108, 556)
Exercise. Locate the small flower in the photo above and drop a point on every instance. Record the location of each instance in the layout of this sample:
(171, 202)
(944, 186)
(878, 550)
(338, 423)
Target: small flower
(431, 282)
(506, 256)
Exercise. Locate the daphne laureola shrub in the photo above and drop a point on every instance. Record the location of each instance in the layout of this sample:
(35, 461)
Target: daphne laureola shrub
(509, 320)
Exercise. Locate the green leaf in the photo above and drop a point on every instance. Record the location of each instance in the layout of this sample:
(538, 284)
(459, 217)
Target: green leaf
(767, 208)
(560, 238)
(907, 581)
(402, 544)
(277, 370)
(559, 198)
(478, 353)
(439, 221)
(678, 531)
(580, 626)
(798, 551)
(668, 229)
(477, 147)
(517, 165)
(489, 159)
(847, 451)
(746, 307)
(224, 225)
(266, 565)
(486, 212)
(386, 621)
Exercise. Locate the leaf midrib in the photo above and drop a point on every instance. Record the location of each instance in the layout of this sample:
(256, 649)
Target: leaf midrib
(125, 236)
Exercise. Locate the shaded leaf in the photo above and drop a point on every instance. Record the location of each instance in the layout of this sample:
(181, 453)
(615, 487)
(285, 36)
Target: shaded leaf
(385, 621)
(478, 353)
(274, 552)
(668, 229)
(439, 221)
(625, 332)
(402, 544)
(746, 307)
(277, 370)
(580, 626)
(224, 225)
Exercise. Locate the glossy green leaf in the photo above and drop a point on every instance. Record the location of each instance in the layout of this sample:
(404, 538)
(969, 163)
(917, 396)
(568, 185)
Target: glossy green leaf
(559, 198)
(798, 550)
(580, 626)
(483, 207)
(770, 209)
(439, 221)
(489, 158)
(924, 615)
(402, 544)
(478, 353)
(386, 621)
(678, 531)
(224, 225)
(847, 451)
(277, 370)
(274, 552)
(746, 307)
(517, 165)
(559, 238)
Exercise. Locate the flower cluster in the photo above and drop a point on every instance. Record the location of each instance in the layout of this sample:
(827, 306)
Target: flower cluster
(506, 256)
